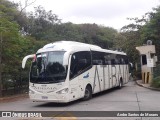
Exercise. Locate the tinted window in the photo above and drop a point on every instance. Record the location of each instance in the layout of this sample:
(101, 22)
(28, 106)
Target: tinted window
(110, 59)
(97, 58)
(80, 61)
(101, 58)
(126, 60)
(118, 59)
(48, 68)
(115, 59)
(107, 59)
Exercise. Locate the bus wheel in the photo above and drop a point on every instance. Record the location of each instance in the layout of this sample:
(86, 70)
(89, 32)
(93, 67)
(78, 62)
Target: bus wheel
(120, 84)
(88, 93)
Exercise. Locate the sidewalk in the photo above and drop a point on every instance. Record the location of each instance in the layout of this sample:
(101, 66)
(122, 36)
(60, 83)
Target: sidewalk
(13, 97)
(139, 82)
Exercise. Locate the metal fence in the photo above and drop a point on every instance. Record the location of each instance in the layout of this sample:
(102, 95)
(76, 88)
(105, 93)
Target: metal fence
(13, 84)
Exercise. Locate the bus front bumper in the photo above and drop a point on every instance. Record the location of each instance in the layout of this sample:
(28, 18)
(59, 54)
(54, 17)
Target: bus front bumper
(49, 98)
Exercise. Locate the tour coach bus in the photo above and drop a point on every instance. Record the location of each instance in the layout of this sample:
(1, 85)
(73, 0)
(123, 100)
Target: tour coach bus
(65, 71)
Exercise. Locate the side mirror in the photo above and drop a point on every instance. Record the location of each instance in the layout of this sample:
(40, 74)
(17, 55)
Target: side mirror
(25, 60)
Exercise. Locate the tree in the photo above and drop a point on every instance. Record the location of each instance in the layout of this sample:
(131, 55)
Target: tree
(151, 30)
(41, 23)
(5, 8)
(13, 44)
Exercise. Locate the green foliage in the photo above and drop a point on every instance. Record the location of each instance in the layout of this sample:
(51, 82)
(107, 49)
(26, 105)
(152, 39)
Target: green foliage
(156, 71)
(87, 33)
(137, 33)
(151, 30)
(41, 24)
(14, 45)
(130, 42)
(156, 82)
(24, 33)
(132, 38)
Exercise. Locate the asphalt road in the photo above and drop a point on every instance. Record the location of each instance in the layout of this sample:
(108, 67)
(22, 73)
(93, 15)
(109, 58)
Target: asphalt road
(130, 98)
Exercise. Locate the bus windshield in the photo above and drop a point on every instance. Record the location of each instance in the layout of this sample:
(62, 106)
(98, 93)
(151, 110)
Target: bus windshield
(48, 68)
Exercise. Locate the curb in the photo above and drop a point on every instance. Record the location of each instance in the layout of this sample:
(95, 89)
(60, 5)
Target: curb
(14, 97)
(156, 89)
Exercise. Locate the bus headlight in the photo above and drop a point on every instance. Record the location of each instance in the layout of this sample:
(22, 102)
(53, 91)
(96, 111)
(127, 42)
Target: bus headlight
(63, 91)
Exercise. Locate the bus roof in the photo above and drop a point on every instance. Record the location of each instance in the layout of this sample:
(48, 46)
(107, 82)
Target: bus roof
(72, 45)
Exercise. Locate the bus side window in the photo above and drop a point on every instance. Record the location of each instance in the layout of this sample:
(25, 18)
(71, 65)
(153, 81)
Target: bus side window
(113, 62)
(113, 59)
(122, 61)
(107, 59)
(80, 61)
(107, 62)
(97, 62)
(126, 60)
(118, 59)
(98, 58)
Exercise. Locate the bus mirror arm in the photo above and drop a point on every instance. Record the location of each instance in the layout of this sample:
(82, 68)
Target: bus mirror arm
(131, 67)
(25, 60)
(131, 64)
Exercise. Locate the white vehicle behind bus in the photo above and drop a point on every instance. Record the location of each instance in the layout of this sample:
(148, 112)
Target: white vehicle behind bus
(65, 71)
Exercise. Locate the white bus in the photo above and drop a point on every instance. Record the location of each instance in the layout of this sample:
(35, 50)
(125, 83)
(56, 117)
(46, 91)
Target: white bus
(65, 71)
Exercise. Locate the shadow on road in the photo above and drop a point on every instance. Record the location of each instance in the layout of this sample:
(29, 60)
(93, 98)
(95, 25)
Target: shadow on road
(52, 104)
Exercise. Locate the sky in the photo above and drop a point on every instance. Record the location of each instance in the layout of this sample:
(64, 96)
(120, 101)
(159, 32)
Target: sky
(109, 13)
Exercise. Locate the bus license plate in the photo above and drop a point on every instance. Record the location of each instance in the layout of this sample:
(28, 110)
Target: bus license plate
(44, 97)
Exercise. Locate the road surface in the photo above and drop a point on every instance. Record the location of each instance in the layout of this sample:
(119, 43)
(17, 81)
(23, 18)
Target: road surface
(130, 98)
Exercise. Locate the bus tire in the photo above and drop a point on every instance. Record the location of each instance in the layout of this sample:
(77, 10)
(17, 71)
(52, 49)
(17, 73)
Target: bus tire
(120, 84)
(88, 93)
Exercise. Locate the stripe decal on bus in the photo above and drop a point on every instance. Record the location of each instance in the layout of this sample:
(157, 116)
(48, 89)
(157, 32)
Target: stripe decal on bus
(116, 76)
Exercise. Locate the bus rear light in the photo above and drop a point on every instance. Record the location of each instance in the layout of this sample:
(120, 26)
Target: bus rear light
(63, 91)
